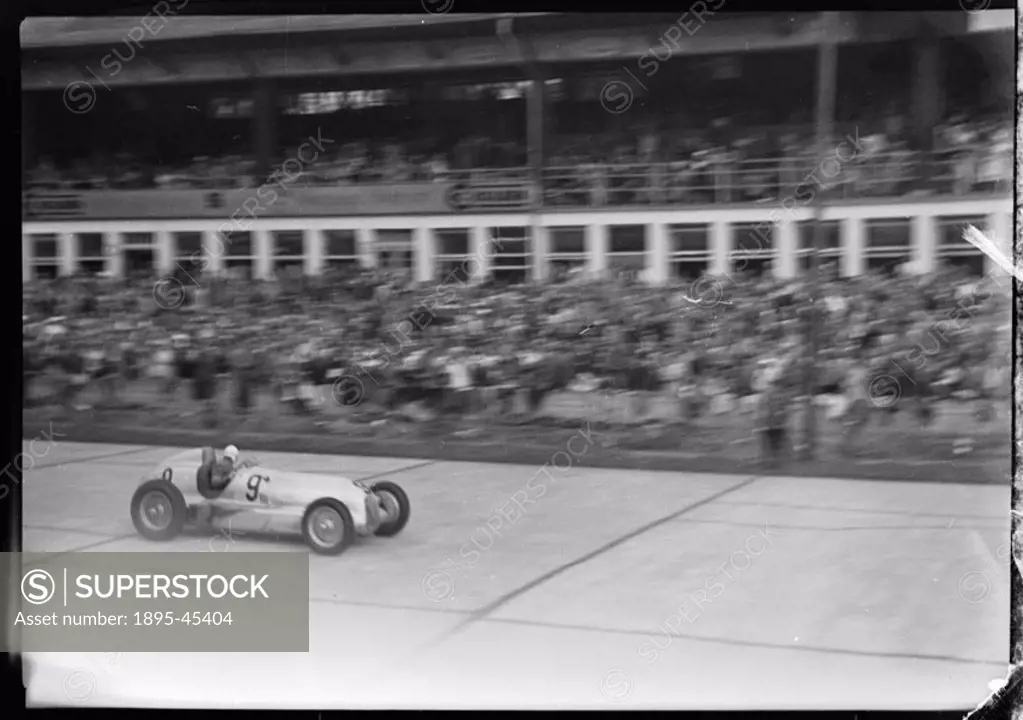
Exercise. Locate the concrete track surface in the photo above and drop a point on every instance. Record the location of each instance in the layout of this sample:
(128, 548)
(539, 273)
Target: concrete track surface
(836, 593)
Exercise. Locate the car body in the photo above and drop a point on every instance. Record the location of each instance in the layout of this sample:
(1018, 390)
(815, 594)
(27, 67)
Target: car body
(262, 500)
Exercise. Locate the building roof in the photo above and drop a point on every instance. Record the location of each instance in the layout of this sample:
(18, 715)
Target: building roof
(64, 32)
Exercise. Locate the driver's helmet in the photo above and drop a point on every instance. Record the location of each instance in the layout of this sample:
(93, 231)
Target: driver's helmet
(231, 453)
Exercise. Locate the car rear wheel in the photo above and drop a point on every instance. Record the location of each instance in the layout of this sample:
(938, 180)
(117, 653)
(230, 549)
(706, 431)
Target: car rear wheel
(158, 510)
(398, 508)
(327, 527)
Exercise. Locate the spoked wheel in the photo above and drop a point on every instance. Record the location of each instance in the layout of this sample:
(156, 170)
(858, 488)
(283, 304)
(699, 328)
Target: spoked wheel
(158, 510)
(327, 527)
(398, 507)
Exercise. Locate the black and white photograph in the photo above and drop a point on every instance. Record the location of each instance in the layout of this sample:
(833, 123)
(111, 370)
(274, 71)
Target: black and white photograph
(437, 359)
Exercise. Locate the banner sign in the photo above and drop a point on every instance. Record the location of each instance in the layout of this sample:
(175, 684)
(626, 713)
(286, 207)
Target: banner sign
(272, 201)
(473, 197)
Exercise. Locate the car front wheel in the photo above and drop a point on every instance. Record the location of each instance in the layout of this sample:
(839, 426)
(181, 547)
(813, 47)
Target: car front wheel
(158, 510)
(327, 527)
(398, 508)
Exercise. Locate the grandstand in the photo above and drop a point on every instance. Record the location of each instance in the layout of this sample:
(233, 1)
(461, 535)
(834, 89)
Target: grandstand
(428, 152)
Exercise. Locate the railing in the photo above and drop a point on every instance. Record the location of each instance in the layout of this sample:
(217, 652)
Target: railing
(702, 181)
(760, 181)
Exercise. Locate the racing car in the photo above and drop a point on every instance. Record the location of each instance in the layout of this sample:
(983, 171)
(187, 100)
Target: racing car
(327, 511)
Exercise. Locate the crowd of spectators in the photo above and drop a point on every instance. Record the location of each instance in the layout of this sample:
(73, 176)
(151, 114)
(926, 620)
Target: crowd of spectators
(722, 162)
(715, 348)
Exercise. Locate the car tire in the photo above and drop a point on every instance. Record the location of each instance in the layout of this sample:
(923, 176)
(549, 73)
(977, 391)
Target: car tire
(175, 504)
(390, 529)
(327, 507)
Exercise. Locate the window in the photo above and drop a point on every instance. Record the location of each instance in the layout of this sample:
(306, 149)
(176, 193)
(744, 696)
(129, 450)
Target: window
(340, 243)
(753, 264)
(289, 243)
(510, 252)
(345, 264)
(567, 240)
(949, 230)
(627, 250)
(689, 251)
(238, 244)
(44, 247)
(393, 249)
(452, 242)
(239, 268)
(45, 256)
(452, 246)
(567, 251)
(688, 270)
(753, 245)
(394, 259)
(952, 249)
(831, 245)
(288, 267)
(92, 267)
(189, 258)
(90, 246)
(889, 235)
(889, 243)
(138, 261)
(341, 250)
(186, 244)
(753, 238)
(627, 239)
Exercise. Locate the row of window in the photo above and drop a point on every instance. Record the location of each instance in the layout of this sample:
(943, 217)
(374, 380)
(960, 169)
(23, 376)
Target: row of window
(617, 265)
(880, 234)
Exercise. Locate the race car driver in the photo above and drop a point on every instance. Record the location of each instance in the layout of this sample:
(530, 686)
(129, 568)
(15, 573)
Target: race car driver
(225, 468)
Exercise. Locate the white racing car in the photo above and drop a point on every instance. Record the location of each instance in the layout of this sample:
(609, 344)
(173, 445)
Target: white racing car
(327, 511)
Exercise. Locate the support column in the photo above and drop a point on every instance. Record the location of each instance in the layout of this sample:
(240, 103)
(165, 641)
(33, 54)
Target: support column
(313, 246)
(657, 266)
(484, 253)
(164, 251)
(424, 250)
(854, 260)
(366, 247)
(262, 249)
(721, 249)
(214, 248)
(67, 247)
(539, 250)
(112, 243)
(1000, 232)
(26, 257)
(786, 260)
(597, 248)
(924, 242)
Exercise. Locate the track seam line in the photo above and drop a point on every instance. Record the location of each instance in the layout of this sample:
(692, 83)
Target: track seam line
(122, 453)
(489, 608)
(865, 511)
(751, 643)
(844, 528)
(380, 606)
(425, 463)
(64, 529)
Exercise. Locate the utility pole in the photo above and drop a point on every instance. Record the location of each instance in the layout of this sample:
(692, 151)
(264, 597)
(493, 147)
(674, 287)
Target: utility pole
(825, 116)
